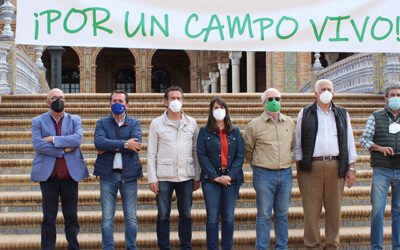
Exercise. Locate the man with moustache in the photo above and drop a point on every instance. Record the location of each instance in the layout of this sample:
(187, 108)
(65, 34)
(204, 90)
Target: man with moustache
(172, 165)
(58, 165)
(325, 156)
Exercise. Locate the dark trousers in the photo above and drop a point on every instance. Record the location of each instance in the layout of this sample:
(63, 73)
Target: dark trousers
(67, 190)
(184, 191)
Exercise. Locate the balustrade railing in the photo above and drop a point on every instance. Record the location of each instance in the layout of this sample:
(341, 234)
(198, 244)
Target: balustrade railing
(355, 74)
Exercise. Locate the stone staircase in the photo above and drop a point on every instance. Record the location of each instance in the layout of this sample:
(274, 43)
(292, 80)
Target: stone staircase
(20, 199)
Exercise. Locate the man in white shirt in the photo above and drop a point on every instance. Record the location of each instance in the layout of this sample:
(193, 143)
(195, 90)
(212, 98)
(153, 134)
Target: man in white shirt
(172, 165)
(325, 157)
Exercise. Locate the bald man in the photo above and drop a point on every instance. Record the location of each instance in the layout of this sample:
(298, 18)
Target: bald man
(58, 165)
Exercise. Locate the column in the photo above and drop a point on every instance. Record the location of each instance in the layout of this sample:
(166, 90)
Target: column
(4, 68)
(317, 66)
(206, 85)
(223, 71)
(251, 71)
(214, 79)
(38, 52)
(193, 79)
(56, 65)
(235, 60)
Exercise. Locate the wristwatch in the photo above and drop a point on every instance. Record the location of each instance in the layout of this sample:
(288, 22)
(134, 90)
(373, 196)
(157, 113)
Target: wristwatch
(353, 169)
(126, 145)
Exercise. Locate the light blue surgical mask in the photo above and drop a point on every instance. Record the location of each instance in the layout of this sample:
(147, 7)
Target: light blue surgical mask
(394, 103)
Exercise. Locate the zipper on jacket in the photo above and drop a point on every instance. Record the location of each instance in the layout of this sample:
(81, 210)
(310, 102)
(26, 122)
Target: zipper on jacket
(118, 137)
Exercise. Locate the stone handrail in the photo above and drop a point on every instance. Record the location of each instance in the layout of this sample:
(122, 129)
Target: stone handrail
(29, 78)
(353, 74)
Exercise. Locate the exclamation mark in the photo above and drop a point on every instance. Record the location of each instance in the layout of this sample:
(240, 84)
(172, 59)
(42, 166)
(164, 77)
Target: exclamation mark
(398, 28)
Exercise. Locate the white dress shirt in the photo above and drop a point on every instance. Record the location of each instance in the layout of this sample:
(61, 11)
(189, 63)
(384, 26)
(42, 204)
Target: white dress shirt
(326, 142)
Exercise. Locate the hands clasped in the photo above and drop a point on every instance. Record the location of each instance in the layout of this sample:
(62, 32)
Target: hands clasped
(224, 180)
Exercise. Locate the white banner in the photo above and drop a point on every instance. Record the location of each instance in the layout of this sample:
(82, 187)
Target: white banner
(234, 25)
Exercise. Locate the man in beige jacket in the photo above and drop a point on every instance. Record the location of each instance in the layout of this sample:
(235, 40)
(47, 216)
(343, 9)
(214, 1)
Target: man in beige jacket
(269, 141)
(172, 165)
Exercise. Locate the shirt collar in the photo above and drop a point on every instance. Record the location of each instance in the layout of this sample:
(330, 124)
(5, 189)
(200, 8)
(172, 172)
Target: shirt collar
(267, 117)
(319, 108)
(54, 119)
(120, 123)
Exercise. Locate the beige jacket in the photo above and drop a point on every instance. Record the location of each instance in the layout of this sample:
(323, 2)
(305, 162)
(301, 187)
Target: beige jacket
(268, 145)
(171, 152)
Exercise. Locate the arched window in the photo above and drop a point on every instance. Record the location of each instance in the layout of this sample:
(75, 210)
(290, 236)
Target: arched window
(70, 81)
(126, 81)
(160, 81)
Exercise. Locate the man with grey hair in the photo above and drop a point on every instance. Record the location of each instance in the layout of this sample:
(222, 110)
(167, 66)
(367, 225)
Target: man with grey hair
(325, 157)
(382, 138)
(269, 141)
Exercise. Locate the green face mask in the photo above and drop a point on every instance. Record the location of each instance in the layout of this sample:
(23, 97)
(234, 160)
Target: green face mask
(273, 106)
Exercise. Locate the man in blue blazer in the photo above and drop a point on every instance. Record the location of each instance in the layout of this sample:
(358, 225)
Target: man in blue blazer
(58, 165)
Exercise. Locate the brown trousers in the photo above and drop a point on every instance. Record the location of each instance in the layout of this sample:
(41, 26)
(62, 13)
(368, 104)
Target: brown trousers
(321, 186)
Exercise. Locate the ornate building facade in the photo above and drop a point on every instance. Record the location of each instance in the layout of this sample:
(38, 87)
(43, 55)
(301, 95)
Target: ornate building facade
(101, 70)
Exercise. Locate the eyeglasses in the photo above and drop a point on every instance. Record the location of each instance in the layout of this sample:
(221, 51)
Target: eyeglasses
(270, 99)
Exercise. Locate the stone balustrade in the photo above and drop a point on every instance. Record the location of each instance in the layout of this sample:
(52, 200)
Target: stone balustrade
(357, 73)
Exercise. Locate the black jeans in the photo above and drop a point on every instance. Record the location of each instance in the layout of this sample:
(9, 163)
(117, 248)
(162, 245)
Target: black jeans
(67, 190)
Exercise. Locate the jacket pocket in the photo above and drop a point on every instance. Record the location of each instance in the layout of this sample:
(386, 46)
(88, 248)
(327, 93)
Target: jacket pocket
(190, 171)
(166, 168)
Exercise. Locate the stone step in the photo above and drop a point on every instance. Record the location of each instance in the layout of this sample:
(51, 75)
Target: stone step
(352, 237)
(154, 112)
(27, 149)
(90, 221)
(10, 201)
(26, 136)
(22, 182)
(26, 124)
(191, 97)
(205, 105)
(20, 164)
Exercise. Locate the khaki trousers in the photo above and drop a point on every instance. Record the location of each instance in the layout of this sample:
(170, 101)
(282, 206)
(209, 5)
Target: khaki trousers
(321, 186)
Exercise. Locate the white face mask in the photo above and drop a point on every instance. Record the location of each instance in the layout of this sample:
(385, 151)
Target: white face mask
(326, 97)
(175, 106)
(219, 114)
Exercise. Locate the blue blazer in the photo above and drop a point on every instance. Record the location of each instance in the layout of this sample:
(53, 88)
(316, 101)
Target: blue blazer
(46, 153)
(209, 155)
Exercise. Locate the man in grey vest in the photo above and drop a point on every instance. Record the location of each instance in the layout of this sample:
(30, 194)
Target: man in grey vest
(382, 138)
(325, 157)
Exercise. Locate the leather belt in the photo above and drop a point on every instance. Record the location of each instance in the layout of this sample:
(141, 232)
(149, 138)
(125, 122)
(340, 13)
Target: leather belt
(119, 170)
(325, 158)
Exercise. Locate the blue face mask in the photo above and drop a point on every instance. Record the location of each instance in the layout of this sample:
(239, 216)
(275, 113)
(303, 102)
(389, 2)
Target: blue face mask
(118, 108)
(394, 103)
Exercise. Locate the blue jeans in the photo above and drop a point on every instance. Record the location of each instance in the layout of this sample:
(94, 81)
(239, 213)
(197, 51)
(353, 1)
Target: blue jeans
(67, 190)
(382, 178)
(184, 191)
(108, 196)
(273, 190)
(220, 200)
